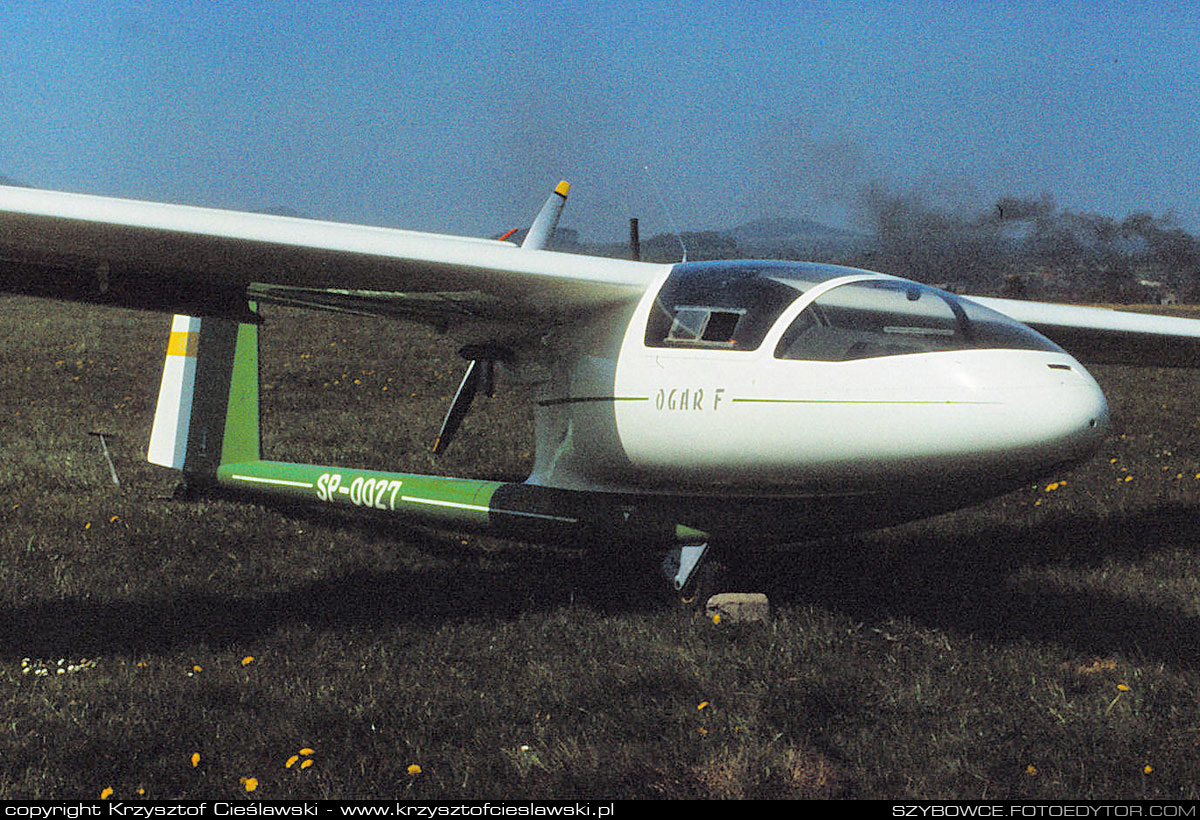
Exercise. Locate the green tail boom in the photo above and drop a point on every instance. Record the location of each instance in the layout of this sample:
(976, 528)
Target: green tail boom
(207, 425)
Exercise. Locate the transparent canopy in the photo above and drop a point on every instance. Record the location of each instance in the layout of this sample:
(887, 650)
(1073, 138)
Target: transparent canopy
(734, 305)
(729, 305)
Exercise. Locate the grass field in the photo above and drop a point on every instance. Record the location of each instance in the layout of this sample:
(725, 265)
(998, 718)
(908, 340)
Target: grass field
(1044, 645)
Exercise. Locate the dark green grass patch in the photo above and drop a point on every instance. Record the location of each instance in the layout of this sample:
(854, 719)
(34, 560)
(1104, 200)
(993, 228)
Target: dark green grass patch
(1042, 645)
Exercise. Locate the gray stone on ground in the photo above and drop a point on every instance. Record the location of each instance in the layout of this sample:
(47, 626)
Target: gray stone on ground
(739, 607)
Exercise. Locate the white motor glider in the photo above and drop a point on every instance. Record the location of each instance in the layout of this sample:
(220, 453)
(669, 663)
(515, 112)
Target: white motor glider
(681, 405)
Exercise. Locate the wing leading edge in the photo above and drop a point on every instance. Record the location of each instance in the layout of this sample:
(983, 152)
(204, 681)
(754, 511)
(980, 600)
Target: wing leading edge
(204, 261)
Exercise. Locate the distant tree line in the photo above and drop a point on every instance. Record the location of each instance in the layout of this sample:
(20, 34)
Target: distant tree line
(1031, 246)
(1019, 246)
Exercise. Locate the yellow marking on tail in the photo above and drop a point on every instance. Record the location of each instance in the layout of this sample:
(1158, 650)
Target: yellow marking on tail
(183, 343)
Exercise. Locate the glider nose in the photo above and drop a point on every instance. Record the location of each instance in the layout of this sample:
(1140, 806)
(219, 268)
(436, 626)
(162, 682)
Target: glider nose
(1090, 408)
(1070, 415)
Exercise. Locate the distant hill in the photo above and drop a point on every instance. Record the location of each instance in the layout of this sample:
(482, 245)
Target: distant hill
(796, 238)
(769, 238)
(776, 228)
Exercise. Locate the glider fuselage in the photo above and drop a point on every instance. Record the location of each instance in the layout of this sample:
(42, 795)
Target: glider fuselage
(814, 392)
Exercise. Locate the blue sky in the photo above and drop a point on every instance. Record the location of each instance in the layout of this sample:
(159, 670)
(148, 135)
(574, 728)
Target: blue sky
(460, 117)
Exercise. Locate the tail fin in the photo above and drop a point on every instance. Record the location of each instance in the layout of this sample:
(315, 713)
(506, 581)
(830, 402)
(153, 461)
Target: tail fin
(542, 229)
(208, 401)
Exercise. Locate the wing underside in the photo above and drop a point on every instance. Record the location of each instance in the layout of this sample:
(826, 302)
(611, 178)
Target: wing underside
(203, 261)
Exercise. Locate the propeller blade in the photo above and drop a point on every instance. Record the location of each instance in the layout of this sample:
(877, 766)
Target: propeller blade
(460, 405)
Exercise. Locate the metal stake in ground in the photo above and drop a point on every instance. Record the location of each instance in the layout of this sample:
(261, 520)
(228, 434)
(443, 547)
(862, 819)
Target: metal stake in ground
(104, 449)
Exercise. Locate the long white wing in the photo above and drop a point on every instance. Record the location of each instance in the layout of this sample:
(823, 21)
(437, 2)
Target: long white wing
(204, 261)
(1102, 336)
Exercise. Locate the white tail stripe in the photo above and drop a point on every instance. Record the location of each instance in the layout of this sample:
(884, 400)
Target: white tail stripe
(168, 438)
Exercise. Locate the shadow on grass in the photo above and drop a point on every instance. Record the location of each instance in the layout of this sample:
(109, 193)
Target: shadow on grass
(993, 583)
(1004, 582)
(501, 584)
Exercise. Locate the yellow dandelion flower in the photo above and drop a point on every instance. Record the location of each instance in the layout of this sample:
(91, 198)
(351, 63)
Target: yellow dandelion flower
(249, 783)
(1148, 769)
(88, 525)
(142, 792)
(306, 763)
(197, 668)
(1052, 487)
(703, 731)
(717, 618)
(1128, 478)
(702, 705)
(1121, 687)
(305, 752)
(291, 761)
(113, 520)
(1030, 769)
(106, 793)
(195, 759)
(414, 769)
(246, 661)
